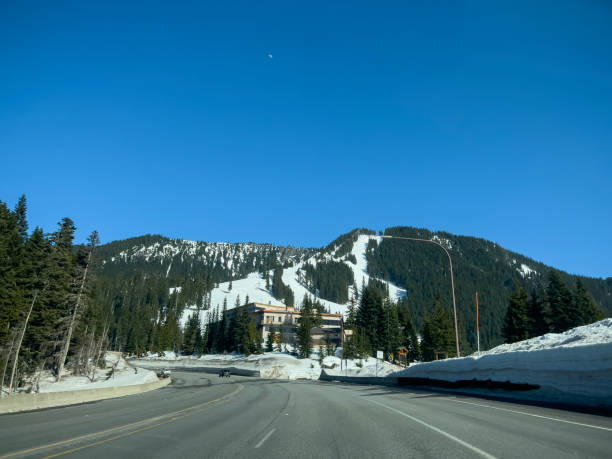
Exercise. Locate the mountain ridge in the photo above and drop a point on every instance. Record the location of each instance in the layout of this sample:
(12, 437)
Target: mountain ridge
(203, 270)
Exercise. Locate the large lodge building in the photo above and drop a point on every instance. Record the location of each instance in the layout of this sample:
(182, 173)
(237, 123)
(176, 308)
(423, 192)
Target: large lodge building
(286, 318)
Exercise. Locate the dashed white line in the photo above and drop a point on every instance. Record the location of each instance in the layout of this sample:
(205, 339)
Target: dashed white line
(531, 414)
(262, 441)
(435, 429)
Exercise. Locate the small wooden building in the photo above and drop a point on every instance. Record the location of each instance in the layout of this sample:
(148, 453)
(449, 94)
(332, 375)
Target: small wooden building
(402, 356)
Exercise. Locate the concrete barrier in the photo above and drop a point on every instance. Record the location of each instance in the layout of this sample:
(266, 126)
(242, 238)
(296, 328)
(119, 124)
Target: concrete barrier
(157, 365)
(381, 381)
(28, 402)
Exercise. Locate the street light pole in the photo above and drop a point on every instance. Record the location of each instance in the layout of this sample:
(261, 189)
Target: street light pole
(450, 262)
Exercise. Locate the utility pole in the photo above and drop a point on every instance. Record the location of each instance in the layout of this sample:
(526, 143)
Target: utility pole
(477, 325)
(450, 261)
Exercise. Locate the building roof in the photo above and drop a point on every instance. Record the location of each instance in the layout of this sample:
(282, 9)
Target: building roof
(278, 309)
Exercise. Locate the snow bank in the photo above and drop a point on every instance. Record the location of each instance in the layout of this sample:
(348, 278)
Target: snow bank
(597, 333)
(273, 365)
(124, 375)
(570, 367)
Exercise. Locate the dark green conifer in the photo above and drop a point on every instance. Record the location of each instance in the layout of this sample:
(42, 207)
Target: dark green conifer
(588, 310)
(517, 322)
(560, 305)
(271, 339)
(438, 333)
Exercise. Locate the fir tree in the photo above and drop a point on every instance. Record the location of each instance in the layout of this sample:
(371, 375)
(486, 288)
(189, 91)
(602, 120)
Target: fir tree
(588, 310)
(371, 317)
(517, 323)
(308, 319)
(537, 316)
(411, 341)
(223, 332)
(392, 338)
(271, 339)
(438, 333)
(562, 310)
(20, 213)
(330, 348)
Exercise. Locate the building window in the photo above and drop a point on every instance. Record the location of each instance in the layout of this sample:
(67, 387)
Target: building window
(280, 318)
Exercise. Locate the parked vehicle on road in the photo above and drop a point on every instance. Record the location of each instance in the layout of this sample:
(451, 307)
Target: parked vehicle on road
(165, 373)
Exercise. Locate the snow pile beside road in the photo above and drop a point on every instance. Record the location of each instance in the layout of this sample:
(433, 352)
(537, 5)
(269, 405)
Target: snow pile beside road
(273, 365)
(570, 367)
(123, 375)
(597, 333)
(365, 367)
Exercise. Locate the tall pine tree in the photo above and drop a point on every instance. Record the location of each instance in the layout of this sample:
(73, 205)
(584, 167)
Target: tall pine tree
(517, 323)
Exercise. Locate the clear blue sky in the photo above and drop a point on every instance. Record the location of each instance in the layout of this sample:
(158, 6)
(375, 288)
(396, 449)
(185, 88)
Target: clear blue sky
(271, 122)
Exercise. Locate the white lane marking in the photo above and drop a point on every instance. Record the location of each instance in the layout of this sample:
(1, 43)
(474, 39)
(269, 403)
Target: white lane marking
(441, 432)
(531, 414)
(262, 441)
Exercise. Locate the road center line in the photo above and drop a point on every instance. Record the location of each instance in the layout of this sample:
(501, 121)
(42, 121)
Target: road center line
(440, 431)
(70, 451)
(531, 414)
(262, 441)
(136, 424)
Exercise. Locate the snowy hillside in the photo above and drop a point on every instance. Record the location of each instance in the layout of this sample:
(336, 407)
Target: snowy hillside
(175, 255)
(254, 286)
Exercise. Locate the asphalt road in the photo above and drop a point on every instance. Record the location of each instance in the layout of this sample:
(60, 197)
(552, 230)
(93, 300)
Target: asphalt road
(200, 415)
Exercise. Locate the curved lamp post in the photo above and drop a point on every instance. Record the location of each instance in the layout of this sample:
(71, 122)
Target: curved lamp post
(450, 261)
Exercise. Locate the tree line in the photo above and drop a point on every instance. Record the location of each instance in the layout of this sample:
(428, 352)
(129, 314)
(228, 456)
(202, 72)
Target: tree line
(50, 318)
(329, 280)
(555, 309)
(479, 266)
(224, 332)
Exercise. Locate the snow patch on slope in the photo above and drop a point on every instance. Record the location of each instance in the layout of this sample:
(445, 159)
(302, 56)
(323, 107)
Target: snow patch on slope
(525, 270)
(360, 271)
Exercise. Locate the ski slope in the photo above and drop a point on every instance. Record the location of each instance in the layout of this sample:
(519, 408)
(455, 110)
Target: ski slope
(254, 286)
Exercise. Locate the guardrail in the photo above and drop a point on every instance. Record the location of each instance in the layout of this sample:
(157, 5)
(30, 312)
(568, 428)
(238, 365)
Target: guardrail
(383, 381)
(28, 402)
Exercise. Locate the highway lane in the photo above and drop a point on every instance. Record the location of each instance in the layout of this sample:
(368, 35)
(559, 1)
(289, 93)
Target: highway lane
(200, 415)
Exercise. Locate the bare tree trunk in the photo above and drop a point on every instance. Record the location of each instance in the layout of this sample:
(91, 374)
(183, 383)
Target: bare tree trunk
(6, 362)
(103, 338)
(25, 325)
(66, 345)
(79, 360)
(36, 385)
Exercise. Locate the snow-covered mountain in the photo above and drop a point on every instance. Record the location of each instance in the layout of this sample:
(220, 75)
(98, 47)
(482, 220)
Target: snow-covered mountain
(154, 276)
(254, 287)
